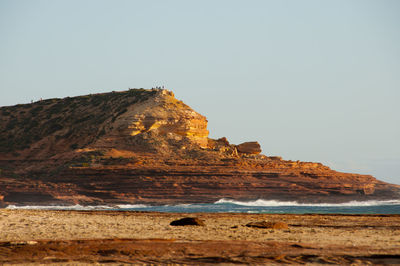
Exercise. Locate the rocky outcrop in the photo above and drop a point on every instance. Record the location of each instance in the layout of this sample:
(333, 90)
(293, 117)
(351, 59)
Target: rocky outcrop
(145, 146)
(249, 147)
(162, 116)
(188, 221)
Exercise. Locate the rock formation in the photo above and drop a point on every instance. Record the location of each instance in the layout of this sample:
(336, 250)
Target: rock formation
(249, 147)
(188, 221)
(145, 146)
(164, 116)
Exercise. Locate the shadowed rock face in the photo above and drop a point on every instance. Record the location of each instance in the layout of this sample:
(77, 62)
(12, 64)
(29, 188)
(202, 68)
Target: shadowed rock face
(145, 146)
(249, 147)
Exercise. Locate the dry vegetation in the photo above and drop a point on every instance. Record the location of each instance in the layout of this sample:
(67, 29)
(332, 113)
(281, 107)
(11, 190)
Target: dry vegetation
(80, 120)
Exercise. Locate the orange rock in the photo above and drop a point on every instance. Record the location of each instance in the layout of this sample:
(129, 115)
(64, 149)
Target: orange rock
(252, 147)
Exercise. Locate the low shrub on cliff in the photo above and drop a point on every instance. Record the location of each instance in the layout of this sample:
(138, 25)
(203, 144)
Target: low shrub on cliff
(78, 119)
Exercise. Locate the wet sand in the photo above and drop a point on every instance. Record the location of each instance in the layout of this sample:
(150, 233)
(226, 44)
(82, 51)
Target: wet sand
(85, 237)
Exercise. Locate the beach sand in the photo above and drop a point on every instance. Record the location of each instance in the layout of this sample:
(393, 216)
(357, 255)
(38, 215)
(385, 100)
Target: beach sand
(87, 237)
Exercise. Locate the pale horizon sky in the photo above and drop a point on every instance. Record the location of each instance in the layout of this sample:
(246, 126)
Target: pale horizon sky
(310, 80)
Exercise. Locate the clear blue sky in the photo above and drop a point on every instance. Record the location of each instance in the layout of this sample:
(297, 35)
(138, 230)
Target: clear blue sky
(310, 80)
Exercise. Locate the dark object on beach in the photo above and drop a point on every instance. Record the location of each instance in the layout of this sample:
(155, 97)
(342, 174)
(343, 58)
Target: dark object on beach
(187, 221)
(268, 225)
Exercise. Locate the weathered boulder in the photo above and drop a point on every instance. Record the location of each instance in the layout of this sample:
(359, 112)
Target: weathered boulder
(223, 140)
(187, 221)
(252, 147)
(268, 225)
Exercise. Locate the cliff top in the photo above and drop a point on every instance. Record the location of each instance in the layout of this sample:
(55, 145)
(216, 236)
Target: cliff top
(137, 120)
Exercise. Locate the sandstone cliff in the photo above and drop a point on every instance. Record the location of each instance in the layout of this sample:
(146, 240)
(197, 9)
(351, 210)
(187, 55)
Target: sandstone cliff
(145, 146)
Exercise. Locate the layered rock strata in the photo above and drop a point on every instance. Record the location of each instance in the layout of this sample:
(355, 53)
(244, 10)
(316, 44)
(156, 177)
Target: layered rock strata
(145, 146)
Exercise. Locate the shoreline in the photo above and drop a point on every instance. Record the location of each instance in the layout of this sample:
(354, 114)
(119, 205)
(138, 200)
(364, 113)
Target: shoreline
(256, 203)
(126, 211)
(65, 236)
(391, 207)
(338, 201)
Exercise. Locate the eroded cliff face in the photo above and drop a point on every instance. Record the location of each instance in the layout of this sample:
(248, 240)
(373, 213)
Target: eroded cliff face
(161, 117)
(145, 146)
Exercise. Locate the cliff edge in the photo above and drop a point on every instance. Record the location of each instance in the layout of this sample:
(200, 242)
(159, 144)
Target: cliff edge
(145, 146)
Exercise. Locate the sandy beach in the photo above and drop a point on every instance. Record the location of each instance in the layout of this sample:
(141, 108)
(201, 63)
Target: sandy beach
(86, 237)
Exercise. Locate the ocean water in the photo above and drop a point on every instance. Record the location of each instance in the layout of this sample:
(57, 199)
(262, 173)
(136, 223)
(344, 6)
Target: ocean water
(258, 206)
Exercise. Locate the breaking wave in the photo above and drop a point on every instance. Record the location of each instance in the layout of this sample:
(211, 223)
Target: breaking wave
(228, 205)
(130, 206)
(275, 203)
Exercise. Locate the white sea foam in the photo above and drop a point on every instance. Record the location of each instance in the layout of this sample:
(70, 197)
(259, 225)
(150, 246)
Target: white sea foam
(275, 203)
(131, 206)
(256, 203)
